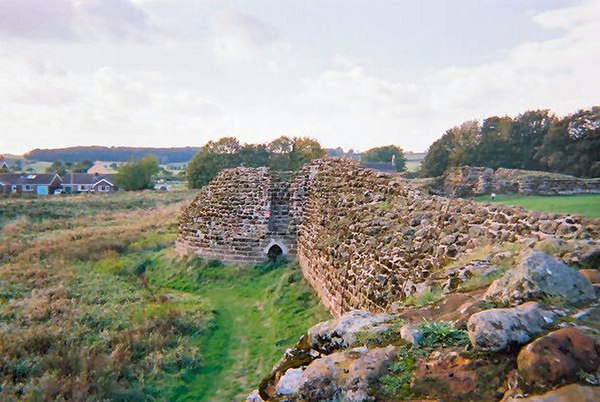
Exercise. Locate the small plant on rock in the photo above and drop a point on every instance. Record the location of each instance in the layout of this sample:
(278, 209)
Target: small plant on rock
(442, 334)
(424, 298)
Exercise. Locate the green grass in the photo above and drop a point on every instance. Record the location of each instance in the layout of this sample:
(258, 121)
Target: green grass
(258, 314)
(91, 290)
(413, 166)
(584, 205)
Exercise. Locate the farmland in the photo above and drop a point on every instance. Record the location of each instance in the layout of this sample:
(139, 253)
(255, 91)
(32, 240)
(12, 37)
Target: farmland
(94, 305)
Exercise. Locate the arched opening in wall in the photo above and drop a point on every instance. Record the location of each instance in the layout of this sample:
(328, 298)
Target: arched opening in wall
(274, 252)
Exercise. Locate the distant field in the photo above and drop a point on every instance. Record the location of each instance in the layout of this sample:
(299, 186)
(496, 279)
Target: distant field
(584, 205)
(413, 166)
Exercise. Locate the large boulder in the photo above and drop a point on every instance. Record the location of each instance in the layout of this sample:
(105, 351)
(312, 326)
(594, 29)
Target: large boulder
(537, 275)
(568, 393)
(448, 374)
(341, 333)
(558, 356)
(345, 376)
(497, 329)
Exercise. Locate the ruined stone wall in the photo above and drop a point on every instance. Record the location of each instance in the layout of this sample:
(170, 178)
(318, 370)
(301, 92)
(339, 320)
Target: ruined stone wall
(471, 181)
(363, 239)
(367, 239)
(238, 216)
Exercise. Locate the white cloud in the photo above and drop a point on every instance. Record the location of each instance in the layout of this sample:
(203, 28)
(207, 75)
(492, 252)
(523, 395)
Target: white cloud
(61, 108)
(74, 20)
(238, 36)
(560, 74)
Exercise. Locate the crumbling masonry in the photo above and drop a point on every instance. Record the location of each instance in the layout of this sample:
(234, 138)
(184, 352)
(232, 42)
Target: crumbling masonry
(363, 239)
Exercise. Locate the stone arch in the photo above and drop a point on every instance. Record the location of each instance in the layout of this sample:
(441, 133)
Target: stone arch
(275, 248)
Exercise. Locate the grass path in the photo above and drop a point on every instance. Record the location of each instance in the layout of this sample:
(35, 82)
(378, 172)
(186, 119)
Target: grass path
(257, 315)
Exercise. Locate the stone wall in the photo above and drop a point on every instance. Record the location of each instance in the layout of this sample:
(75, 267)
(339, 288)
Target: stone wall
(238, 216)
(363, 239)
(470, 181)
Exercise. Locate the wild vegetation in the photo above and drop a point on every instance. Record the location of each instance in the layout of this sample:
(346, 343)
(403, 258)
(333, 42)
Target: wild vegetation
(94, 305)
(533, 140)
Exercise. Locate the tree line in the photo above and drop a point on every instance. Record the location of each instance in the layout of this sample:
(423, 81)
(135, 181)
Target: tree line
(116, 154)
(283, 153)
(533, 140)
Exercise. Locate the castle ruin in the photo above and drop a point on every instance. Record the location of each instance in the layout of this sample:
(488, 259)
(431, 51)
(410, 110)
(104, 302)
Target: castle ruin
(363, 239)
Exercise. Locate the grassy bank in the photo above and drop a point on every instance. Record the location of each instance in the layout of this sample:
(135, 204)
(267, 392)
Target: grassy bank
(94, 305)
(584, 205)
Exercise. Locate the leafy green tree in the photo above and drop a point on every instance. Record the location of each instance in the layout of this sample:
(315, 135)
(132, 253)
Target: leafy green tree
(58, 167)
(494, 148)
(527, 135)
(251, 155)
(385, 154)
(437, 159)
(82, 166)
(138, 175)
(280, 150)
(304, 150)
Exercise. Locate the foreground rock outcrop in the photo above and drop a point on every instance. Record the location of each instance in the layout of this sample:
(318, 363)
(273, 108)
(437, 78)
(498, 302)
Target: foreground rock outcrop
(540, 275)
(459, 348)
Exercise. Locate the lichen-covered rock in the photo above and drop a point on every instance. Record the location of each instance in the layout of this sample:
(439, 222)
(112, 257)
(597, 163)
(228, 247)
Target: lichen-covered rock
(450, 376)
(342, 332)
(290, 382)
(345, 376)
(497, 329)
(568, 393)
(537, 275)
(558, 356)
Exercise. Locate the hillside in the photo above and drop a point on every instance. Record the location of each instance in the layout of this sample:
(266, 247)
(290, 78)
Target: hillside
(113, 154)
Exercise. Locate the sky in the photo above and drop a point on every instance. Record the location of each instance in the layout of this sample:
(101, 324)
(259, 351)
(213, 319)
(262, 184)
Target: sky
(349, 73)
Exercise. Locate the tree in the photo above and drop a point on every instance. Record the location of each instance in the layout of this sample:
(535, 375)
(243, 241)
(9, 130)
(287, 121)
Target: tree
(251, 155)
(82, 166)
(137, 175)
(57, 167)
(385, 154)
(280, 150)
(527, 135)
(494, 148)
(304, 150)
(437, 159)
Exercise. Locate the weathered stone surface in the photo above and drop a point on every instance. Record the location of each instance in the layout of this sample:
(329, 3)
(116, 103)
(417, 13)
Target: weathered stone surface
(568, 393)
(497, 329)
(290, 382)
(449, 376)
(345, 376)
(537, 275)
(591, 259)
(364, 240)
(411, 334)
(592, 275)
(341, 332)
(469, 181)
(558, 356)
(254, 397)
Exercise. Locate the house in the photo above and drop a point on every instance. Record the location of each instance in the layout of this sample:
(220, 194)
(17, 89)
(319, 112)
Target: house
(88, 183)
(99, 168)
(29, 183)
(3, 164)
